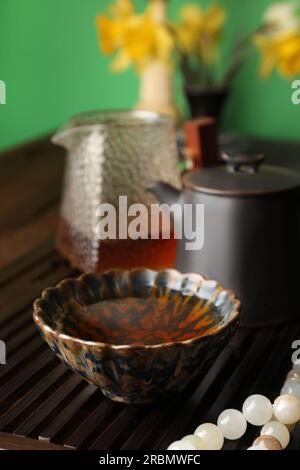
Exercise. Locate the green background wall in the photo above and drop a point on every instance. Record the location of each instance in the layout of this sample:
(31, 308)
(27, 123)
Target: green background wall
(50, 61)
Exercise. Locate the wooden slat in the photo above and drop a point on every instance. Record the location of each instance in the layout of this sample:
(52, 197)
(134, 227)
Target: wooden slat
(116, 428)
(25, 374)
(48, 406)
(32, 395)
(52, 429)
(30, 285)
(30, 180)
(22, 355)
(30, 191)
(180, 418)
(181, 412)
(20, 339)
(89, 424)
(20, 322)
(244, 370)
(18, 242)
(23, 263)
(10, 442)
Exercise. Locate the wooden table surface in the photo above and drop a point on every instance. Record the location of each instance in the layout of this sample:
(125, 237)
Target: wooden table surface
(30, 189)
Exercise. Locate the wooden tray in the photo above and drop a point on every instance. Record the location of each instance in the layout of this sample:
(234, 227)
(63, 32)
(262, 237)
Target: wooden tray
(43, 405)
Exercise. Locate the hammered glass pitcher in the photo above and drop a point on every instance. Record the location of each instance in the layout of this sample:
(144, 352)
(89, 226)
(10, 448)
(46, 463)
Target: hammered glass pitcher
(112, 154)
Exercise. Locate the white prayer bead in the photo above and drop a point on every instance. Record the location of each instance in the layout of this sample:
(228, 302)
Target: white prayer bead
(277, 430)
(212, 436)
(257, 410)
(195, 441)
(290, 427)
(294, 374)
(181, 445)
(257, 448)
(267, 442)
(291, 387)
(232, 423)
(287, 409)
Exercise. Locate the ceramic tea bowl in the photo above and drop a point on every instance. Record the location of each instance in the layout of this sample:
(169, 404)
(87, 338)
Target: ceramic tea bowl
(137, 334)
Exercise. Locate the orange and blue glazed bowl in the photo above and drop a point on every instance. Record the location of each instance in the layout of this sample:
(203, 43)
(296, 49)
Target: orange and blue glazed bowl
(137, 334)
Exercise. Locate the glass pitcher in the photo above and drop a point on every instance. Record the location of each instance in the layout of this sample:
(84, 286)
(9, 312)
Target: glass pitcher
(112, 154)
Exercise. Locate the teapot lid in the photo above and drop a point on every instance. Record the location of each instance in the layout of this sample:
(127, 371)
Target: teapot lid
(242, 175)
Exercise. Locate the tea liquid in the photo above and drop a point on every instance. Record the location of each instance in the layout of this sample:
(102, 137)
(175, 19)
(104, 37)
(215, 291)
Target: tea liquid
(97, 255)
(136, 321)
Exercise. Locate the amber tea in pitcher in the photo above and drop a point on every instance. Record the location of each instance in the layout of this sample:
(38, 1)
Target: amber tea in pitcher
(113, 154)
(126, 254)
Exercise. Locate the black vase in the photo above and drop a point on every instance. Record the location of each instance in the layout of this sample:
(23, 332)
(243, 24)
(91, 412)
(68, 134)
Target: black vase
(206, 101)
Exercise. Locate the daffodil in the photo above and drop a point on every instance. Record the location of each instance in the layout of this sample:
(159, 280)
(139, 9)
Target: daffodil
(143, 41)
(281, 51)
(214, 19)
(111, 28)
(110, 33)
(279, 40)
(199, 30)
(192, 15)
(189, 29)
(282, 17)
(138, 39)
(122, 8)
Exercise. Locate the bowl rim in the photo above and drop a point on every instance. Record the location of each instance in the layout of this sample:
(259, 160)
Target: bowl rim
(44, 327)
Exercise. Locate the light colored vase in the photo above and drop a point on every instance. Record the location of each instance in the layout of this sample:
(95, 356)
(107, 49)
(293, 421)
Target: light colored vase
(156, 89)
(156, 81)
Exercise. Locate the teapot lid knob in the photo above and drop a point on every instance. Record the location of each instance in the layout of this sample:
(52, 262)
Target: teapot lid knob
(242, 163)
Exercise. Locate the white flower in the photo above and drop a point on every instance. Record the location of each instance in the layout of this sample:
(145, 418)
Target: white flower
(282, 17)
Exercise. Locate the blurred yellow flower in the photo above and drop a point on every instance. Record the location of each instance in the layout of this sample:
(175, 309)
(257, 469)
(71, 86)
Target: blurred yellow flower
(122, 8)
(110, 33)
(281, 51)
(139, 39)
(189, 29)
(192, 15)
(215, 17)
(282, 17)
(143, 41)
(199, 30)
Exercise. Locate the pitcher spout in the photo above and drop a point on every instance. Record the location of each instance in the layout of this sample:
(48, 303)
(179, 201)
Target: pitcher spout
(67, 137)
(165, 192)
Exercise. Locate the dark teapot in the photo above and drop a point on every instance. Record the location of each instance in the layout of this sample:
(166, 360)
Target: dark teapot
(251, 234)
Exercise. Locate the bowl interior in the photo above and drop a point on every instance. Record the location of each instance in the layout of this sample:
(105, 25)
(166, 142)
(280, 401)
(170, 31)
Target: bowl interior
(140, 307)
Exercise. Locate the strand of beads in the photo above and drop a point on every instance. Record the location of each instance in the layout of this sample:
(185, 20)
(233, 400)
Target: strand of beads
(277, 421)
(291, 385)
(286, 413)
